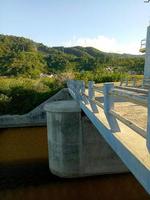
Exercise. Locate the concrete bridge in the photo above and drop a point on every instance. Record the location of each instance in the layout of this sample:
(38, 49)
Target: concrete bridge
(96, 129)
(70, 136)
(127, 139)
(73, 141)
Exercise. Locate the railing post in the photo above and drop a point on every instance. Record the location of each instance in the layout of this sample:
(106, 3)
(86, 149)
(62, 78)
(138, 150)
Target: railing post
(82, 87)
(91, 92)
(148, 123)
(134, 82)
(108, 100)
(70, 85)
(143, 83)
(78, 90)
(108, 105)
(121, 82)
(126, 81)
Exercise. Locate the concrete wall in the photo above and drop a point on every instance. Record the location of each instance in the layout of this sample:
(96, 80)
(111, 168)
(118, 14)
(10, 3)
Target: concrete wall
(93, 155)
(97, 155)
(147, 56)
(36, 117)
(75, 146)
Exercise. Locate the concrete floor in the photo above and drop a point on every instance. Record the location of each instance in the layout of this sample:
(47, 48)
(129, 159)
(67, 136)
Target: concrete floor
(133, 112)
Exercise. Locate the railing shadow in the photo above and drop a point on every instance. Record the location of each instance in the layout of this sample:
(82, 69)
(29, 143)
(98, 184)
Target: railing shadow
(114, 127)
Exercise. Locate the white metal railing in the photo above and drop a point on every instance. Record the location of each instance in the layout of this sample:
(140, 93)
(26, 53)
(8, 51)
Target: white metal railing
(77, 90)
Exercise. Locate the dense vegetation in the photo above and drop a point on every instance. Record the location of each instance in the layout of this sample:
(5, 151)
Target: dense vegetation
(23, 57)
(22, 61)
(19, 96)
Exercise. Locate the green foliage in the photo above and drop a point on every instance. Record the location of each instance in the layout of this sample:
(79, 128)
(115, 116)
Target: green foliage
(99, 76)
(19, 96)
(27, 64)
(23, 57)
(57, 62)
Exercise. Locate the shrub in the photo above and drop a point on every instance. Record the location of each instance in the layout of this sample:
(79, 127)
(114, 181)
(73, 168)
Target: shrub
(21, 95)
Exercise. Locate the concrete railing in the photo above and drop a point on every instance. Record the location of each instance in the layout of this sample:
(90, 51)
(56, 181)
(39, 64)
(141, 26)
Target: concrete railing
(134, 82)
(77, 89)
(130, 82)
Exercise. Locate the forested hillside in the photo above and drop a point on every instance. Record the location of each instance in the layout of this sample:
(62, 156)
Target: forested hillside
(23, 60)
(23, 57)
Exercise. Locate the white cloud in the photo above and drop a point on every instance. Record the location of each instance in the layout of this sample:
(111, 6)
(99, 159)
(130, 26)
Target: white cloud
(105, 44)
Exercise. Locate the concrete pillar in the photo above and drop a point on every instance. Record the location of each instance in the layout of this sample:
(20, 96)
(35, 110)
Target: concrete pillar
(108, 100)
(134, 82)
(109, 105)
(91, 92)
(75, 147)
(147, 56)
(64, 138)
(148, 124)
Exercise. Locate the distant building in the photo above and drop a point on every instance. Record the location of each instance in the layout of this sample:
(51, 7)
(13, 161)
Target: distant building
(109, 68)
(46, 75)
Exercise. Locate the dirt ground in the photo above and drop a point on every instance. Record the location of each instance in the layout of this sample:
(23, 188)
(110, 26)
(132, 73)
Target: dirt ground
(131, 111)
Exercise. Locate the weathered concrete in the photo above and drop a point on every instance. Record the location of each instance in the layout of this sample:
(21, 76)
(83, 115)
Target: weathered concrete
(147, 60)
(127, 142)
(75, 146)
(36, 117)
(64, 138)
(148, 124)
(97, 156)
(129, 146)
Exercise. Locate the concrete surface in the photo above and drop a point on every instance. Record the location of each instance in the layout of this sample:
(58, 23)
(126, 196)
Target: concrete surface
(75, 147)
(147, 56)
(36, 117)
(129, 146)
(64, 138)
(97, 156)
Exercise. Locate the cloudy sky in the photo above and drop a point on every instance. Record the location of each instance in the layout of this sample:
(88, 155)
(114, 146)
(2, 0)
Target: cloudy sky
(108, 25)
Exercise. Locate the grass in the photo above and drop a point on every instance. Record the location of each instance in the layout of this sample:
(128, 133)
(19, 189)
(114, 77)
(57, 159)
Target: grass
(21, 95)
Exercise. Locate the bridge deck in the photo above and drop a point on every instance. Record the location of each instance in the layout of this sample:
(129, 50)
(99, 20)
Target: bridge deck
(132, 111)
(129, 138)
(126, 142)
(130, 146)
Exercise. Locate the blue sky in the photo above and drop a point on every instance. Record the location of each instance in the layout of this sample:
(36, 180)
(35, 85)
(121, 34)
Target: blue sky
(109, 25)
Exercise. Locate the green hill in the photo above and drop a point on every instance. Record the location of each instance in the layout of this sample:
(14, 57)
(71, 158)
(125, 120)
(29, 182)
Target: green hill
(23, 57)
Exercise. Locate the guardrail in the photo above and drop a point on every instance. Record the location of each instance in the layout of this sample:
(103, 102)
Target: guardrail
(130, 82)
(78, 91)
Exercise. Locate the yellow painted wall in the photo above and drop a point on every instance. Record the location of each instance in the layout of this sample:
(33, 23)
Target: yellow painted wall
(23, 144)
